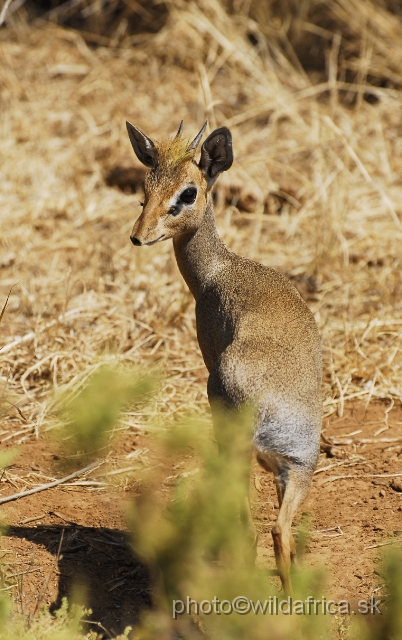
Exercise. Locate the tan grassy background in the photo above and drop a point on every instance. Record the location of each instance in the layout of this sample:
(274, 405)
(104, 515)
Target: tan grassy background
(312, 94)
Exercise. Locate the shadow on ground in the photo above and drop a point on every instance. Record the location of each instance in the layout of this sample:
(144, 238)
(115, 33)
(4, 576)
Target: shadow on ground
(118, 585)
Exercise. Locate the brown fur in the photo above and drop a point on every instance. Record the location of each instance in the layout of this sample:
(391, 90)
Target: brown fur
(258, 338)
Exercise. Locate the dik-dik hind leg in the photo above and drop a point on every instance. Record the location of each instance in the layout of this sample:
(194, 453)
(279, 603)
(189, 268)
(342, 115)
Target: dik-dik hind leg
(293, 488)
(279, 485)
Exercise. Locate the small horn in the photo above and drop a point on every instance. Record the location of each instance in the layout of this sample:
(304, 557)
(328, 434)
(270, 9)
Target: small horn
(194, 144)
(178, 134)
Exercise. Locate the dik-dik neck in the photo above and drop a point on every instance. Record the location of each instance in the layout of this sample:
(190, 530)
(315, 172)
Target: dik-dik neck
(198, 254)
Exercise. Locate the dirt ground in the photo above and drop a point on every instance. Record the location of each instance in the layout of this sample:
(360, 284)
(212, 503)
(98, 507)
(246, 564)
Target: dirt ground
(69, 535)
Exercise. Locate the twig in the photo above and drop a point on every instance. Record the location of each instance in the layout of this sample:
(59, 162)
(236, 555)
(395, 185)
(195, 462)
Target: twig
(338, 533)
(364, 475)
(10, 480)
(357, 394)
(346, 462)
(17, 409)
(60, 545)
(336, 528)
(9, 293)
(10, 587)
(31, 335)
(122, 470)
(58, 515)
(17, 433)
(383, 544)
(381, 430)
(22, 573)
(87, 483)
(375, 440)
(2, 18)
(340, 442)
(27, 520)
(98, 624)
(27, 338)
(331, 466)
(49, 485)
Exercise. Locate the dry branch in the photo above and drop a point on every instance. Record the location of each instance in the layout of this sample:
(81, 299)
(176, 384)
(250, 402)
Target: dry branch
(383, 544)
(49, 485)
(363, 475)
(4, 11)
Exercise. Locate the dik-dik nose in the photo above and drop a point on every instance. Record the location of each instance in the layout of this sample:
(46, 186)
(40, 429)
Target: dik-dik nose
(135, 241)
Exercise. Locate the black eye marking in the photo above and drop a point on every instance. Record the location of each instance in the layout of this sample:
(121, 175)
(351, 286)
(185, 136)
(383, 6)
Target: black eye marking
(188, 196)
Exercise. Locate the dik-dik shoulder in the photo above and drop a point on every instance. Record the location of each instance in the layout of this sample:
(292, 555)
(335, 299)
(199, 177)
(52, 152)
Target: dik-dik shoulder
(258, 311)
(240, 287)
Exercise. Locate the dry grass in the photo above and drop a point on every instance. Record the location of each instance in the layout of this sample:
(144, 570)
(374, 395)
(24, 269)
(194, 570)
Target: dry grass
(316, 165)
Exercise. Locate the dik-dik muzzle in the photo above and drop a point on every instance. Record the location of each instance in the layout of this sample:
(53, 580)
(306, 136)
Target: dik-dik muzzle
(147, 230)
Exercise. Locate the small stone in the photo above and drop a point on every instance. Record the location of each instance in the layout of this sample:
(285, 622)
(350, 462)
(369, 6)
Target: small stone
(396, 484)
(382, 493)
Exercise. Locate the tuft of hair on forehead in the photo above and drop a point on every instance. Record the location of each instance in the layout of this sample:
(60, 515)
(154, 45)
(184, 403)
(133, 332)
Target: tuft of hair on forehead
(172, 158)
(174, 151)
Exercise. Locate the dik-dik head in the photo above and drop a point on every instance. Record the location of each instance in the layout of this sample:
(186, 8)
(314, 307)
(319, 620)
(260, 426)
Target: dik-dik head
(176, 187)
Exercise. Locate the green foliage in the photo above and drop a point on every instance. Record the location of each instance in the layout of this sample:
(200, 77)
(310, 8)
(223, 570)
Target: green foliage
(64, 625)
(89, 416)
(5, 609)
(67, 623)
(200, 552)
(7, 457)
(199, 549)
(388, 624)
(392, 624)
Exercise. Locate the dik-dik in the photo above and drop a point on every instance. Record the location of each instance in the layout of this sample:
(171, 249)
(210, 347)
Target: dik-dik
(257, 336)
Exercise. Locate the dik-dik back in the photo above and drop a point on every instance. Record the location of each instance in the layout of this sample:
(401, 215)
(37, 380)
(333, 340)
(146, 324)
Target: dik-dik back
(258, 338)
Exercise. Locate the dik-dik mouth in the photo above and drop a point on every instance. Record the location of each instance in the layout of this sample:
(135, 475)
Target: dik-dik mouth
(138, 243)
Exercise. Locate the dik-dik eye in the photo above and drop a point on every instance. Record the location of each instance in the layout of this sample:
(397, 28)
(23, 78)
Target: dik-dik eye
(188, 196)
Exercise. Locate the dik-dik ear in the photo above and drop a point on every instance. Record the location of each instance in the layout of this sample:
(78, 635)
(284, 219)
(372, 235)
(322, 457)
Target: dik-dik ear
(143, 146)
(216, 154)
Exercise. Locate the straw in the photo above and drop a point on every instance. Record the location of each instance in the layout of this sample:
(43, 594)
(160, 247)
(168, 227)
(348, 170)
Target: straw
(314, 192)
